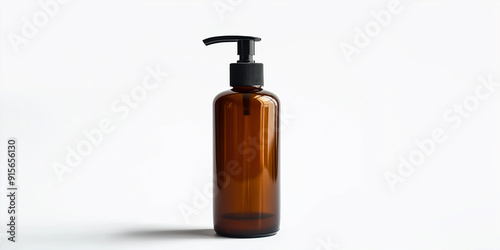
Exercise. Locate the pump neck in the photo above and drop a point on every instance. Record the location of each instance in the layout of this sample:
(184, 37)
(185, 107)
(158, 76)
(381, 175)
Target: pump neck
(246, 89)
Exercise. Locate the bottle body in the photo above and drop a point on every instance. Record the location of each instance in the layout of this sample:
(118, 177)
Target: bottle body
(246, 163)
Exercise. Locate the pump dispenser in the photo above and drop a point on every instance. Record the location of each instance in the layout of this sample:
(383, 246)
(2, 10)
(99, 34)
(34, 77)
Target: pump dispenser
(246, 149)
(245, 72)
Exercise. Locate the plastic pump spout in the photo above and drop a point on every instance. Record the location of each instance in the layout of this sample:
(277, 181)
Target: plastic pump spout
(246, 45)
(245, 72)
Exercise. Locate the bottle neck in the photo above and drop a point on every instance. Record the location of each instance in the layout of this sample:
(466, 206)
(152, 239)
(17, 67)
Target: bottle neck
(247, 89)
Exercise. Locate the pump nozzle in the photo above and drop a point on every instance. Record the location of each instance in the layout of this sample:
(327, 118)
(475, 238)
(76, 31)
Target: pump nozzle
(246, 45)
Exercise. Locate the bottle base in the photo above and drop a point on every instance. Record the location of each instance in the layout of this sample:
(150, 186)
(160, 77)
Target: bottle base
(246, 225)
(258, 235)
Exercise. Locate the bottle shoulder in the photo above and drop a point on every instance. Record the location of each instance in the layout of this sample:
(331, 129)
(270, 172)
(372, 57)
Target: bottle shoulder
(231, 95)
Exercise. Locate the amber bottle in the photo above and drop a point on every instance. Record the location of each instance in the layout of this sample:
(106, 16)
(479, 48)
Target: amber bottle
(246, 150)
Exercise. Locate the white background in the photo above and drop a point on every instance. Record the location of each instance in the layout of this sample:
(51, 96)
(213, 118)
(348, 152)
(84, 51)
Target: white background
(345, 124)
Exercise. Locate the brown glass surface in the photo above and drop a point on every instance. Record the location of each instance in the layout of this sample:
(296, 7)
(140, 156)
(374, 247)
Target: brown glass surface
(246, 163)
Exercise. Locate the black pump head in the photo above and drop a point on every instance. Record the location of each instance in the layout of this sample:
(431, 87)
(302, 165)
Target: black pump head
(245, 72)
(246, 45)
